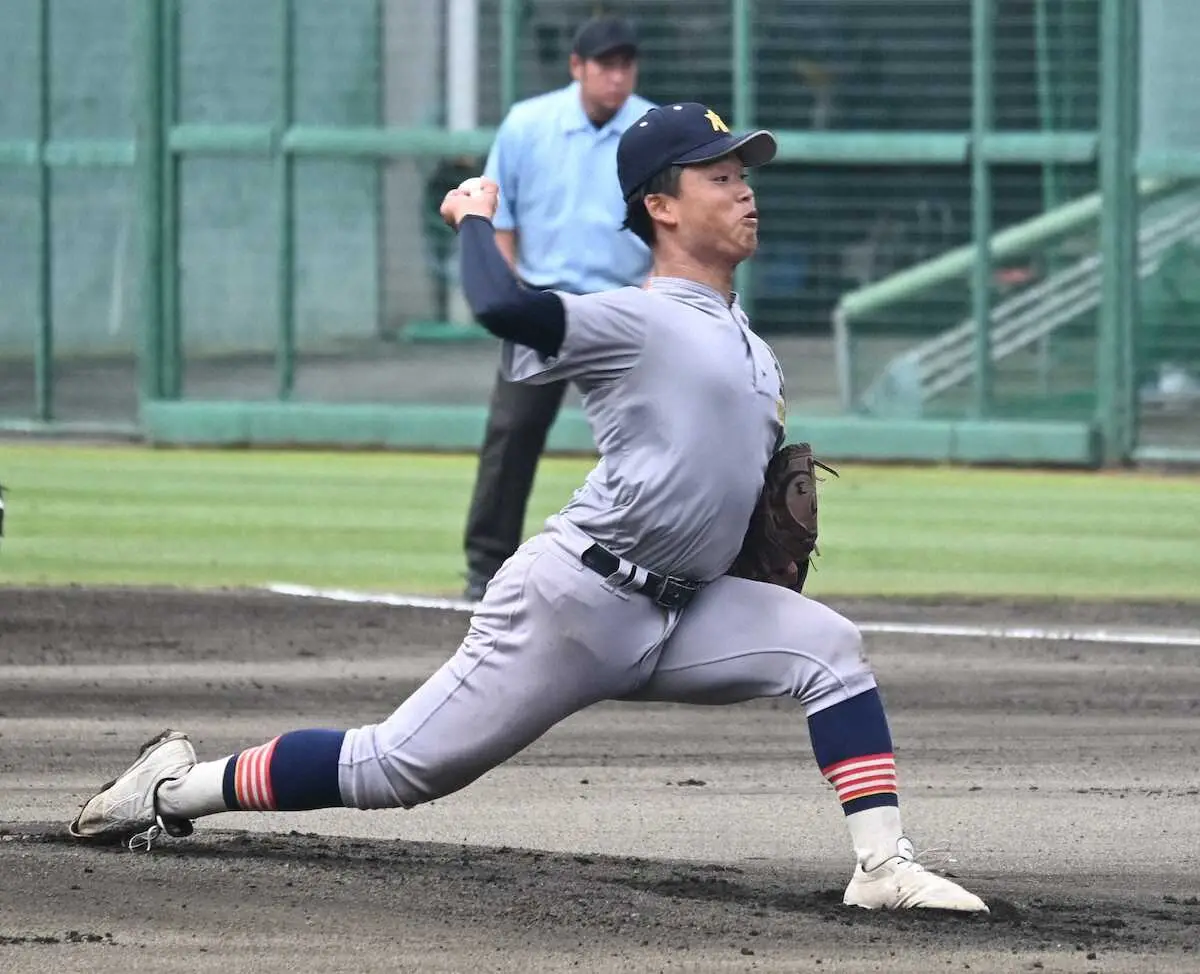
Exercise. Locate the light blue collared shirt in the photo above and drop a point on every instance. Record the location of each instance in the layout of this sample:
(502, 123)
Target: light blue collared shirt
(558, 183)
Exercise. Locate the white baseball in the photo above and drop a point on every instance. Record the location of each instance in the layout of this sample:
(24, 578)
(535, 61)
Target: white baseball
(472, 186)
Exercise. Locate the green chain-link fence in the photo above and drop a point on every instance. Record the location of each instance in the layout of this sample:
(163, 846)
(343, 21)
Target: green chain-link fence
(219, 216)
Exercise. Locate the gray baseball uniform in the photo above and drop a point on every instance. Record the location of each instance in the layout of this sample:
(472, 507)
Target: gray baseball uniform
(626, 593)
(686, 405)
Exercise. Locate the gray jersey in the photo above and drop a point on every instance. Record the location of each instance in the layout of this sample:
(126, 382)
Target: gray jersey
(686, 405)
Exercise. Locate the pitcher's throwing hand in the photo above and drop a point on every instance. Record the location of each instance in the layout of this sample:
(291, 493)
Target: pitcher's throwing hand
(476, 196)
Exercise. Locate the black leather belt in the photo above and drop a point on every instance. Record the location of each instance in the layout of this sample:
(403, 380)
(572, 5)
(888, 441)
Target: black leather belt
(669, 591)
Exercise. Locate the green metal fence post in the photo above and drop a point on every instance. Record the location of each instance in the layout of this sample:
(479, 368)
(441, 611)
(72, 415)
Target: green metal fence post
(982, 40)
(1132, 50)
(149, 184)
(170, 335)
(510, 66)
(1118, 228)
(743, 112)
(285, 197)
(44, 349)
(1051, 194)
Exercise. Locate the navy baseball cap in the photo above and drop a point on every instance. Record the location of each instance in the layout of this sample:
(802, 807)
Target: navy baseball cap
(604, 35)
(683, 134)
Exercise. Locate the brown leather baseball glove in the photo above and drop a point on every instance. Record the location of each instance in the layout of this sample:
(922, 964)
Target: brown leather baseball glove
(782, 535)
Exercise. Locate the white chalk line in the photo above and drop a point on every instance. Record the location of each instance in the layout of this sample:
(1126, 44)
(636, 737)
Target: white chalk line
(1086, 634)
(372, 598)
(219, 674)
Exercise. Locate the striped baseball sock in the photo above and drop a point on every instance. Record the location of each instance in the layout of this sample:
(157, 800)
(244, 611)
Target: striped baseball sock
(294, 772)
(853, 747)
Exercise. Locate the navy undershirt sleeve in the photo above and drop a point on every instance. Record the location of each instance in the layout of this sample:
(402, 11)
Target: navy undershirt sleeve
(529, 317)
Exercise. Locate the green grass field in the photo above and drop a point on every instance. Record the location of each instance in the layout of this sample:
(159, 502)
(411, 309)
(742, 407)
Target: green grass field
(393, 522)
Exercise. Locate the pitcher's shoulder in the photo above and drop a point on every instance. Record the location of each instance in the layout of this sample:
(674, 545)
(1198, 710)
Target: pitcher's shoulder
(630, 296)
(628, 309)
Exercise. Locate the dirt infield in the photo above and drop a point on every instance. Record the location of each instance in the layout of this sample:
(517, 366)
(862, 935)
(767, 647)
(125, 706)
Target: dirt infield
(1063, 776)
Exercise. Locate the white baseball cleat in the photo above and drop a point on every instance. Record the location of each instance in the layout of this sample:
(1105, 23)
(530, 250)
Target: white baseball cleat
(123, 810)
(902, 883)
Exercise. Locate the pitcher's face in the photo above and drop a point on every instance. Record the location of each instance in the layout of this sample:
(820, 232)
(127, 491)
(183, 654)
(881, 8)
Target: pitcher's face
(716, 212)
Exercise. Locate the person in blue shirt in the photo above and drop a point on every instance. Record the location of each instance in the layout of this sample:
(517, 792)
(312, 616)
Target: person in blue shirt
(559, 225)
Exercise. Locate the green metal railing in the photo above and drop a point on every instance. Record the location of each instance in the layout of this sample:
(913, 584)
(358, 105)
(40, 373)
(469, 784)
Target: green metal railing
(1115, 208)
(284, 142)
(961, 263)
(47, 155)
(1116, 406)
(166, 141)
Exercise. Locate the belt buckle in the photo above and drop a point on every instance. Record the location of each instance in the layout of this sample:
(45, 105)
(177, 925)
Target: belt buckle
(675, 593)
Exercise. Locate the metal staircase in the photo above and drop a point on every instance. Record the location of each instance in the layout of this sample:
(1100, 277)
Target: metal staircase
(913, 378)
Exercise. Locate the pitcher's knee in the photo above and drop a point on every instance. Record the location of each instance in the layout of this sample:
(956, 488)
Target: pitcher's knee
(842, 670)
(374, 774)
(844, 639)
(379, 771)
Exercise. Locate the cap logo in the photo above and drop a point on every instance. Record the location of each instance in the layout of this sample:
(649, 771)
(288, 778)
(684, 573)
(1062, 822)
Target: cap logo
(715, 120)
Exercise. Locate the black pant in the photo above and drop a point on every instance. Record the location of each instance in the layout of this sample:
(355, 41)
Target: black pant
(519, 418)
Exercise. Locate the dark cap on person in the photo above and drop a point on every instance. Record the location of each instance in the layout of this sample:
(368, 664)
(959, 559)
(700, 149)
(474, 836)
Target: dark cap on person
(604, 35)
(683, 134)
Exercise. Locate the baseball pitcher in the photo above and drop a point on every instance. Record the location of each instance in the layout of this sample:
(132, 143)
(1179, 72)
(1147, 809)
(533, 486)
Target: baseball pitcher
(673, 574)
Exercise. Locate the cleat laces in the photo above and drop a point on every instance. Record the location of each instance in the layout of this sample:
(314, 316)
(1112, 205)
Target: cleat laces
(144, 841)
